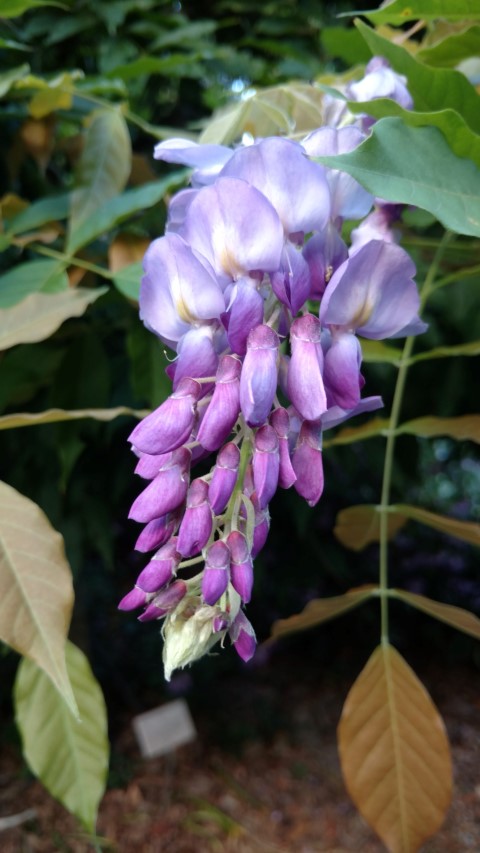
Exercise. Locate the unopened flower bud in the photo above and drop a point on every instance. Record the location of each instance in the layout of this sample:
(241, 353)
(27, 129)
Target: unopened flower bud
(243, 637)
(241, 565)
(216, 573)
(166, 492)
(157, 532)
(164, 602)
(280, 421)
(169, 426)
(224, 477)
(307, 463)
(161, 569)
(258, 381)
(266, 464)
(133, 599)
(305, 383)
(224, 407)
(196, 525)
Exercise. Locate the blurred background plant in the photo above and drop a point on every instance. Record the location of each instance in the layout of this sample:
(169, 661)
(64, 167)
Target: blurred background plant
(86, 89)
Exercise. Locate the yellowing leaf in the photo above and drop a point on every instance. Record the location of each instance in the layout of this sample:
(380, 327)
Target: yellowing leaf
(103, 168)
(39, 315)
(457, 617)
(377, 351)
(69, 756)
(348, 435)
(321, 610)
(394, 753)
(470, 349)
(468, 531)
(50, 416)
(358, 526)
(36, 593)
(465, 427)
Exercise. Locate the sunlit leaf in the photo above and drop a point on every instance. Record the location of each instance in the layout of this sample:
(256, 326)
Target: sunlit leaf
(68, 755)
(359, 526)
(12, 8)
(286, 109)
(398, 11)
(29, 277)
(457, 617)
(468, 531)
(453, 48)
(39, 315)
(127, 280)
(431, 88)
(394, 753)
(415, 165)
(50, 416)
(8, 78)
(321, 610)
(103, 169)
(371, 429)
(36, 592)
(112, 211)
(463, 428)
(55, 94)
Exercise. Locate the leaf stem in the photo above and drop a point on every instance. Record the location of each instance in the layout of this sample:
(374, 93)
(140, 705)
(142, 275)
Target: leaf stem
(69, 260)
(384, 506)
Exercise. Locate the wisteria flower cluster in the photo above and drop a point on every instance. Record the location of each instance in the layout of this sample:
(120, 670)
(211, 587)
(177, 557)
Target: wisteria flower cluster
(255, 290)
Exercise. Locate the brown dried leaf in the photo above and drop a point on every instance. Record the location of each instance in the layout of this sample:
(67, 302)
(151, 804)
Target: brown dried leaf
(50, 416)
(358, 526)
(126, 249)
(465, 427)
(321, 610)
(394, 753)
(457, 617)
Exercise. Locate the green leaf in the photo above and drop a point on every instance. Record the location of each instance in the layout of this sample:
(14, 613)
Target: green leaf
(359, 526)
(12, 8)
(414, 165)
(50, 416)
(452, 49)
(345, 44)
(175, 65)
(321, 610)
(39, 213)
(398, 11)
(127, 280)
(30, 277)
(467, 531)
(8, 78)
(121, 207)
(461, 139)
(36, 592)
(68, 755)
(463, 428)
(376, 352)
(431, 88)
(472, 348)
(103, 169)
(39, 315)
(457, 617)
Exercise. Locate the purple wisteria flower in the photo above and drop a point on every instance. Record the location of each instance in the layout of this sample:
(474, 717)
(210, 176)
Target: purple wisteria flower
(263, 303)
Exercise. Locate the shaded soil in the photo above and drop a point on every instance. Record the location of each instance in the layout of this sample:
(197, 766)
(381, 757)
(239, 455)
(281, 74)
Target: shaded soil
(279, 790)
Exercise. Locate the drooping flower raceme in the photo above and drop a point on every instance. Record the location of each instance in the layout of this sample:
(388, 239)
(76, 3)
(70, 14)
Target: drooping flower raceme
(262, 301)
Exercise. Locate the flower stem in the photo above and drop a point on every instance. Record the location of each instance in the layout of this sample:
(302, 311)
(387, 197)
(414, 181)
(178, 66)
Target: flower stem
(384, 506)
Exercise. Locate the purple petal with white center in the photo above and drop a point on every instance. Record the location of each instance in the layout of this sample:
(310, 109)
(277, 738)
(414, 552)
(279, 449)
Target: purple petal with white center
(166, 492)
(295, 186)
(373, 293)
(291, 283)
(308, 464)
(341, 371)
(169, 426)
(178, 289)
(349, 200)
(235, 227)
(224, 407)
(245, 311)
(197, 522)
(258, 381)
(305, 383)
(324, 253)
(266, 464)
